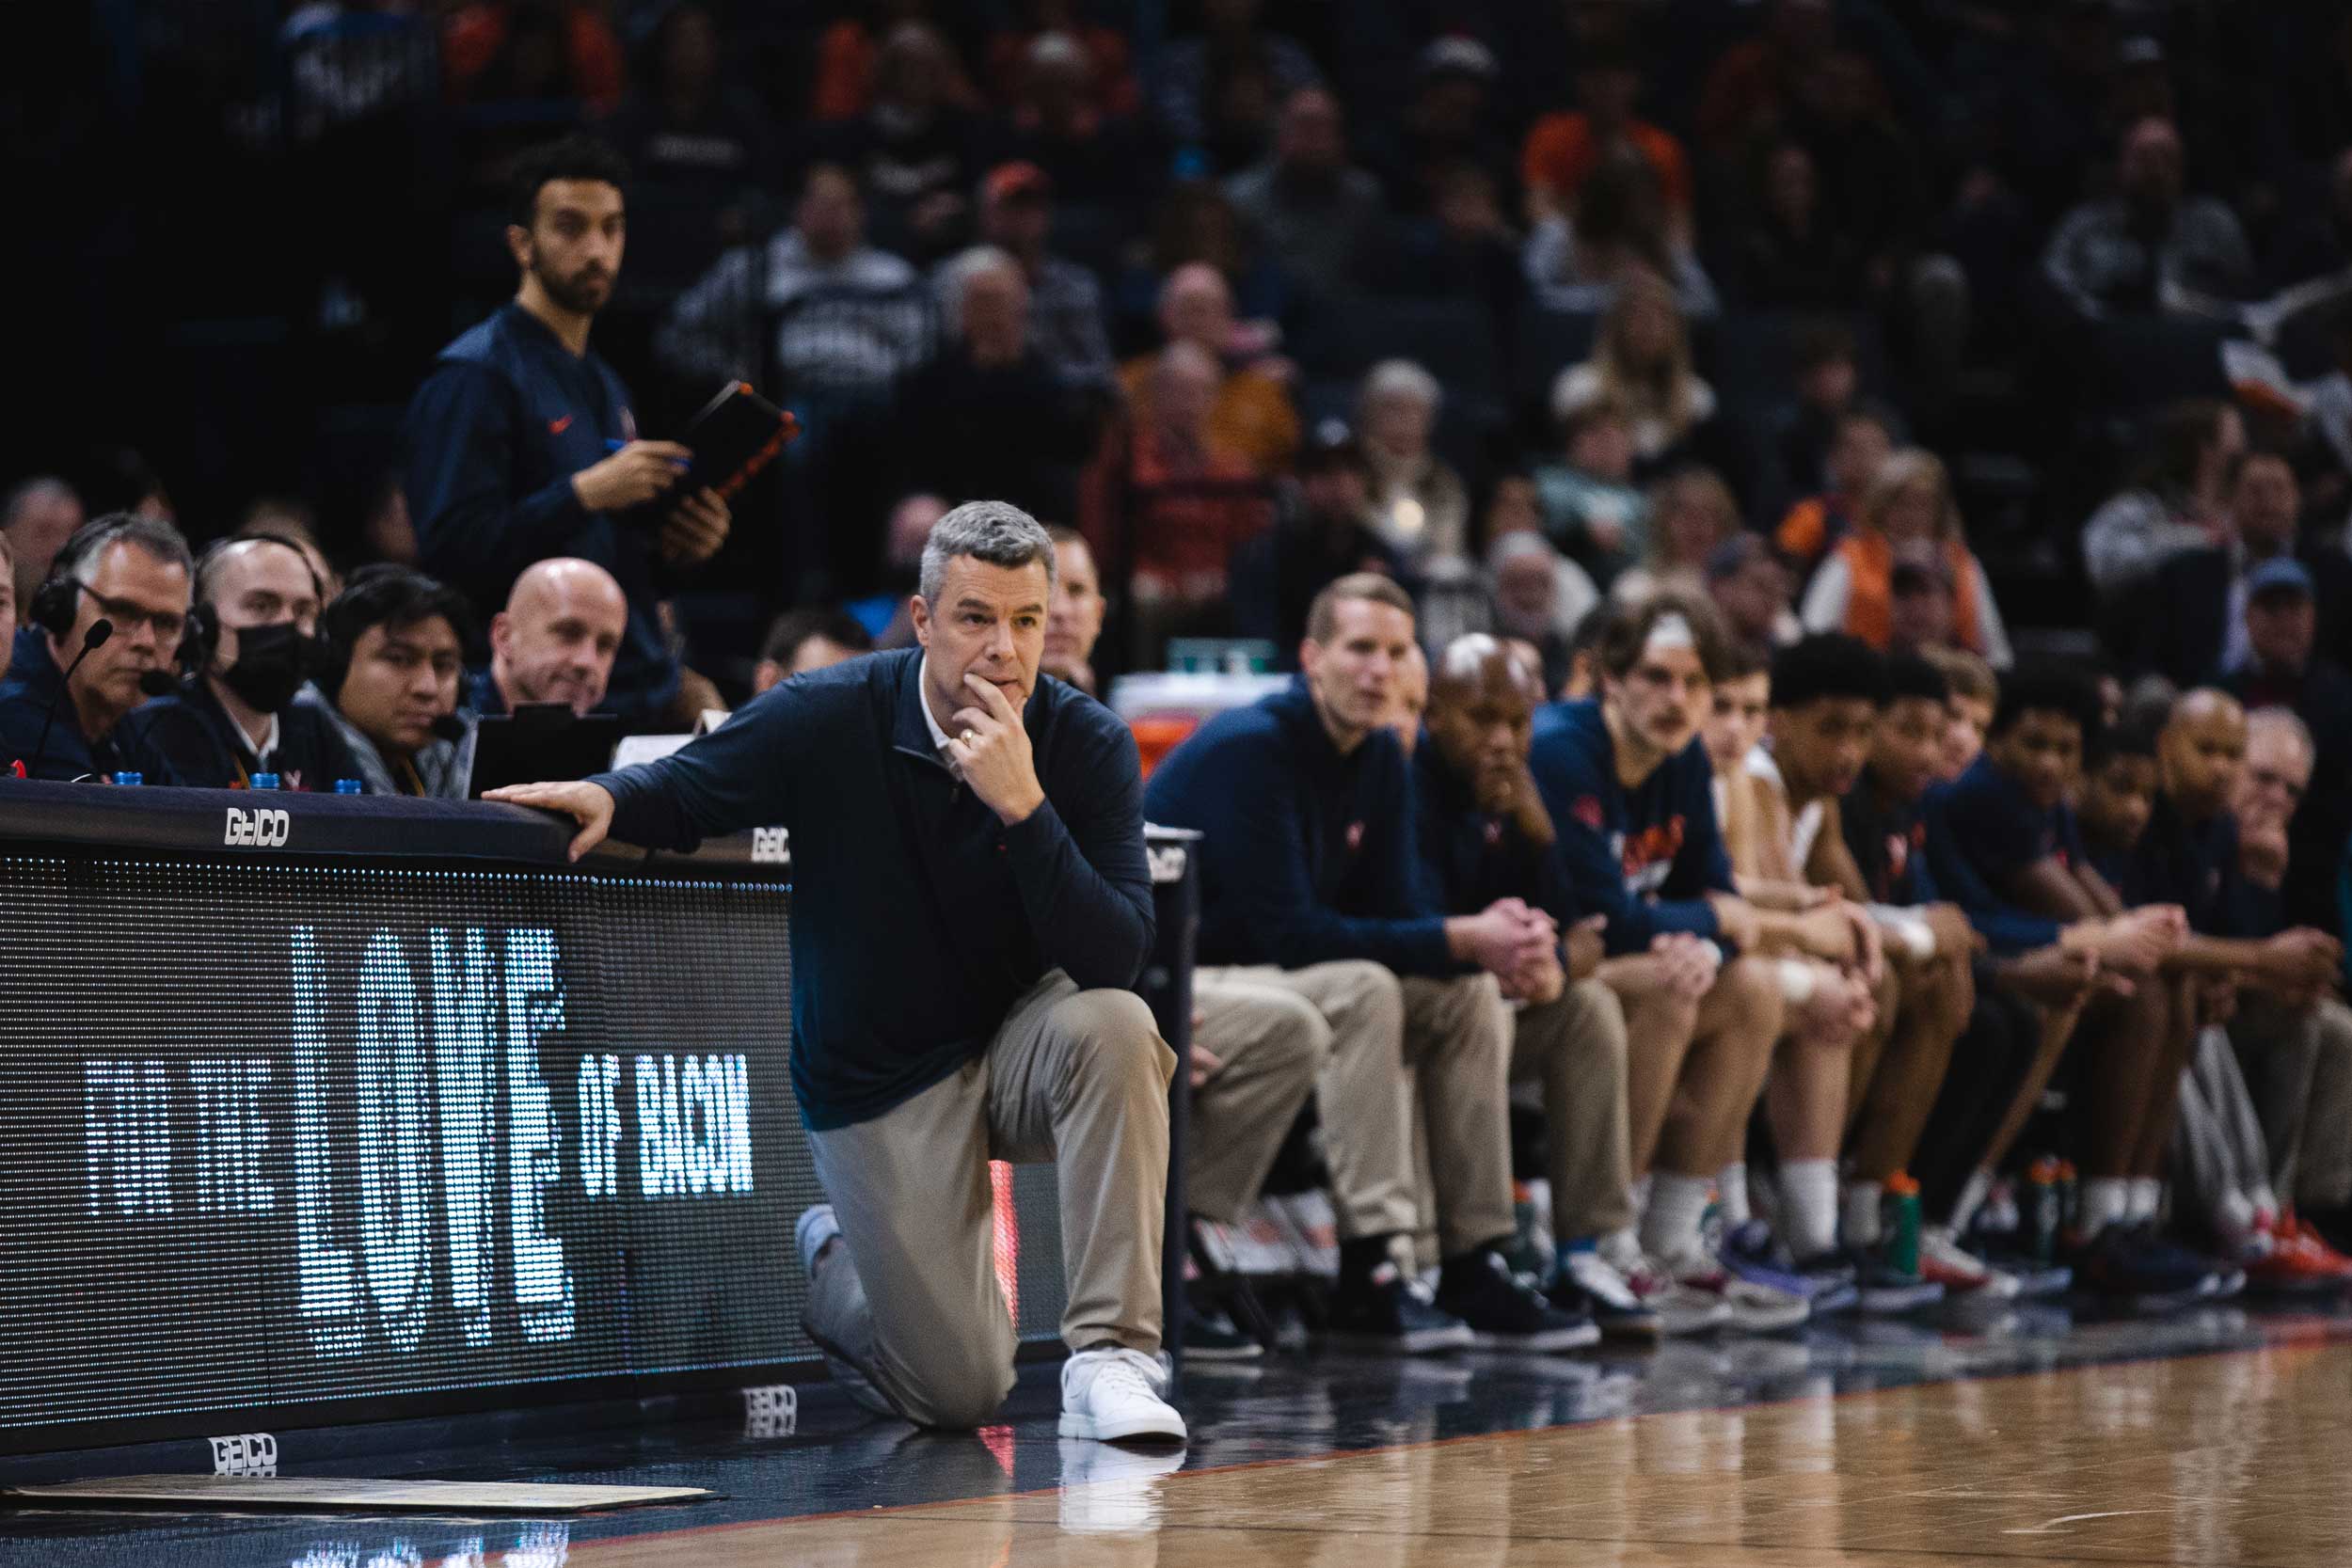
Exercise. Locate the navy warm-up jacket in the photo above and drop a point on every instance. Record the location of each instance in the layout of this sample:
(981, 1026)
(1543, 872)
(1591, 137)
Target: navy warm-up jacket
(493, 438)
(1309, 856)
(1646, 858)
(918, 918)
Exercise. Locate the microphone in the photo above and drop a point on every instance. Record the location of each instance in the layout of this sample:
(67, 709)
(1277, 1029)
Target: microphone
(92, 641)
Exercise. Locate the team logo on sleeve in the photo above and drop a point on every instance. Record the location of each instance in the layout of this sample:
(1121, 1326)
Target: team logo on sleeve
(1355, 837)
(1587, 811)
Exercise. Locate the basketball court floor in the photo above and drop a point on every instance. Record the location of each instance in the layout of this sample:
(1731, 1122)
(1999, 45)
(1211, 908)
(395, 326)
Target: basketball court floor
(2222, 1436)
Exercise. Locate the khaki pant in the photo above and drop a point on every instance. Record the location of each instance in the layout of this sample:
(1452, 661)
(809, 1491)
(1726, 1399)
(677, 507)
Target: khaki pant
(2299, 1067)
(910, 1299)
(1443, 1043)
(1575, 1046)
(1271, 1043)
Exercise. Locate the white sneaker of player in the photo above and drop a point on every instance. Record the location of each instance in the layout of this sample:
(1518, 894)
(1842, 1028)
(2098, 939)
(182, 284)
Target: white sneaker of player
(1943, 1261)
(1112, 1395)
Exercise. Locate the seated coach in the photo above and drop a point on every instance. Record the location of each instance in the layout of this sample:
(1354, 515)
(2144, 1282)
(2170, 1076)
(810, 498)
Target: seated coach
(971, 900)
(556, 639)
(101, 633)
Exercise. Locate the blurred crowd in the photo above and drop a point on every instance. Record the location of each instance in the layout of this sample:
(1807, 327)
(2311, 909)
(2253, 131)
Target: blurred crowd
(1892, 317)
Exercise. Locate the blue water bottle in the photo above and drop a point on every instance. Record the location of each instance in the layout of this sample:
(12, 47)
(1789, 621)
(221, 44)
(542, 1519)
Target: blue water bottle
(348, 786)
(130, 779)
(262, 780)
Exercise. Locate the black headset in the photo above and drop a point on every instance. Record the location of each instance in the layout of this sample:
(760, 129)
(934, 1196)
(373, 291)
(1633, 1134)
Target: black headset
(371, 594)
(57, 601)
(203, 638)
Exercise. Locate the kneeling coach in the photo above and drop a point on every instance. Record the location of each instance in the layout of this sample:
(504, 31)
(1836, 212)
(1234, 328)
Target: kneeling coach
(971, 899)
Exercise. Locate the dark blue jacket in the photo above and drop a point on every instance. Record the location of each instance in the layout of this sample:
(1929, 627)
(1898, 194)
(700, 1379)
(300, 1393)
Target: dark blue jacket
(1889, 846)
(33, 685)
(1310, 855)
(1473, 857)
(207, 751)
(2195, 864)
(1645, 858)
(918, 918)
(1982, 830)
(493, 437)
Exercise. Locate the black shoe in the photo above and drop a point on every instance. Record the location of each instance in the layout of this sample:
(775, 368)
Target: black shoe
(1385, 1312)
(1505, 1311)
(1210, 1335)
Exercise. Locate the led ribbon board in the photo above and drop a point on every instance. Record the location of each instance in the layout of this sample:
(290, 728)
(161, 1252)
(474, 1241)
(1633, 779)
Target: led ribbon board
(282, 1132)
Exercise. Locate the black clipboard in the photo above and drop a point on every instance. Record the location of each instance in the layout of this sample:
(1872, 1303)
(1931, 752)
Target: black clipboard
(541, 743)
(736, 433)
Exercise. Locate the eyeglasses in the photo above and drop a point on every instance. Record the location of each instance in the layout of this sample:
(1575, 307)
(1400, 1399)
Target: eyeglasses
(2263, 777)
(126, 613)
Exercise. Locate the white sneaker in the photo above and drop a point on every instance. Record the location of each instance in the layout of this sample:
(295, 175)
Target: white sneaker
(814, 1228)
(1755, 1309)
(1112, 1395)
(1943, 1261)
(1680, 1309)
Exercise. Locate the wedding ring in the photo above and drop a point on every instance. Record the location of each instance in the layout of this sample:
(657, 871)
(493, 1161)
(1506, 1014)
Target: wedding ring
(968, 736)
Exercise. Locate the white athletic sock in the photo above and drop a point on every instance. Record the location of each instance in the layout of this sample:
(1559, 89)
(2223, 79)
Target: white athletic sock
(2106, 1200)
(1731, 1194)
(1971, 1195)
(1808, 1205)
(1670, 1225)
(1860, 1215)
(2147, 1197)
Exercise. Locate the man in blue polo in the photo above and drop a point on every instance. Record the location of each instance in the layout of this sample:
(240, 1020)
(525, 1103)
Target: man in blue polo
(972, 901)
(521, 444)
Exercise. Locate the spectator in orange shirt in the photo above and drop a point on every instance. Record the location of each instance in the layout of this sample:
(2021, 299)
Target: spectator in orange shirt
(1865, 438)
(1189, 500)
(1562, 150)
(1251, 415)
(1907, 518)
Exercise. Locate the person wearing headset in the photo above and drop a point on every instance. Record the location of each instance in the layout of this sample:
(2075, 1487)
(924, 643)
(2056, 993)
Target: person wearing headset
(70, 683)
(392, 663)
(251, 646)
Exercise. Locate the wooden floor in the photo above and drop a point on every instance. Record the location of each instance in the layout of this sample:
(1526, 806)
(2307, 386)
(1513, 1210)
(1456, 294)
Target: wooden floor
(2242, 1459)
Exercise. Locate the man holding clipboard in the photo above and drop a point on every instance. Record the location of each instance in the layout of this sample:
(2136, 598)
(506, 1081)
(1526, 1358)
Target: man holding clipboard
(522, 445)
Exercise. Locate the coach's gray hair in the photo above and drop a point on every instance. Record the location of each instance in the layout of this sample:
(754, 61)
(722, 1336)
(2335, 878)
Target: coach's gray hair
(997, 533)
(152, 535)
